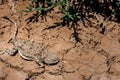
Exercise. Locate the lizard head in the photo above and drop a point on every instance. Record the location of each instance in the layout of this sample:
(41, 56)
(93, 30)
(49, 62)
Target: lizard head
(51, 58)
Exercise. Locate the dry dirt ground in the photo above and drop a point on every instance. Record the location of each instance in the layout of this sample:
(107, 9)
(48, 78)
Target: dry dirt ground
(97, 57)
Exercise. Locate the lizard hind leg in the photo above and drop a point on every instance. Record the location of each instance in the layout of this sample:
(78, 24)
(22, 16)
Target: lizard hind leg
(2, 51)
(10, 52)
(13, 51)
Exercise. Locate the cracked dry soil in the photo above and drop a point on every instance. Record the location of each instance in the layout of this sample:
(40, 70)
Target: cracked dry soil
(97, 58)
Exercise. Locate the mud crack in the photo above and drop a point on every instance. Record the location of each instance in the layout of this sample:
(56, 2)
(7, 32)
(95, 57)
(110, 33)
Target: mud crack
(33, 74)
(11, 66)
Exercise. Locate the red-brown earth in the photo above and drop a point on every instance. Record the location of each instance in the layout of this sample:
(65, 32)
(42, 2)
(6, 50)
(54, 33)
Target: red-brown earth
(97, 57)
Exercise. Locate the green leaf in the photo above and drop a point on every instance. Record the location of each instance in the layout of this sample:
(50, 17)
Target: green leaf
(70, 16)
(40, 9)
(118, 3)
(64, 16)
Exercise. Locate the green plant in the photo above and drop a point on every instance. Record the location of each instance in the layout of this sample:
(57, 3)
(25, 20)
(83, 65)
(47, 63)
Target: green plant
(74, 10)
(71, 15)
(69, 9)
(40, 7)
(116, 8)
